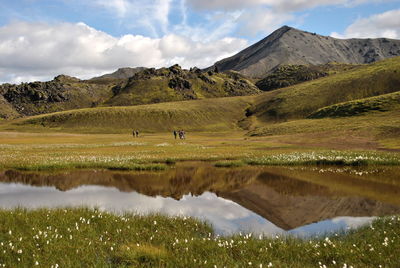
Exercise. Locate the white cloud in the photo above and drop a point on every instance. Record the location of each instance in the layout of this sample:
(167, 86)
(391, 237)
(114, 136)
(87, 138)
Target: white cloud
(386, 24)
(121, 7)
(39, 51)
(152, 15)
(283, 5)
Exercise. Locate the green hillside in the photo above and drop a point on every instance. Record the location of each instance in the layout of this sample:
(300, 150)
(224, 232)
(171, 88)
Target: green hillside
(380, 103)
(218, 114)
(145, 86)
(301, 100)
(176, 84)
(379, 125)
(288, 75)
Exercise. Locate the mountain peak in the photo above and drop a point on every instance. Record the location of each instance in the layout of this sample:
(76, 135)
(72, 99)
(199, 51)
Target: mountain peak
(288, 45)
(285, 28)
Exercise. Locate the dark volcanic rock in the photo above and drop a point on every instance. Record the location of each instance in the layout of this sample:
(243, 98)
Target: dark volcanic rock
(183, 87)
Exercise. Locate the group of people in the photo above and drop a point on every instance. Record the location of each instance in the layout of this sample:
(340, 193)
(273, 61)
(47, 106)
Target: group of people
(180, 133)
(135, 133)
(177, 133)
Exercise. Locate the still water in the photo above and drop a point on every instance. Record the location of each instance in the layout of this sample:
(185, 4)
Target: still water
(270, 200)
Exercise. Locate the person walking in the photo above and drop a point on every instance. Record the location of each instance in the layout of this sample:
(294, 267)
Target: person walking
(133, 133)
(137, 133)
(175, 134)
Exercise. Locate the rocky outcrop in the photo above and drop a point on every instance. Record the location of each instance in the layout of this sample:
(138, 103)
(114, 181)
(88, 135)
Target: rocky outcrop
(62, 93)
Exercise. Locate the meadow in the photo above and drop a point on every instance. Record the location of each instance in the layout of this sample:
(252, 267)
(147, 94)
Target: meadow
(91, 238)
(52, 151)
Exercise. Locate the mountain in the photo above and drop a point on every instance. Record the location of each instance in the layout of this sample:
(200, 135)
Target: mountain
(145, 86)
(292, 46)
(122, 73)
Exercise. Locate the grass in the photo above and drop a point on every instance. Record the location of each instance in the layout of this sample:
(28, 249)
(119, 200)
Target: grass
(205, 115)
(337, 158)
(91, 238)
(51, 151)
(380, 103)
(301, 100)
(378, 125)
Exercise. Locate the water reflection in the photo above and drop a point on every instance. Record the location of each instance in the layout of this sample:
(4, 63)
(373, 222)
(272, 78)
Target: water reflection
(270, 200)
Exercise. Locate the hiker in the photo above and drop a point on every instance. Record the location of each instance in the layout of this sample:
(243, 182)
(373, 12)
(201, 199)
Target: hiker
(137, 133)
(175, 134)
(181, 134)
(133, 133)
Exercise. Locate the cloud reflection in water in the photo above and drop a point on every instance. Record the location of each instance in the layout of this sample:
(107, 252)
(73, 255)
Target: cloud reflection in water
(226, 216)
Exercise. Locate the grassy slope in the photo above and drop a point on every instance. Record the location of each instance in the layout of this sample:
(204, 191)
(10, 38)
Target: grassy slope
(301, 100)
(203, 115)
(156, 89)
(385, 102)
(379, 127)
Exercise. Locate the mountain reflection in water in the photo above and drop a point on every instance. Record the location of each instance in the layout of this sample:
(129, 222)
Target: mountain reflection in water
(268, 200)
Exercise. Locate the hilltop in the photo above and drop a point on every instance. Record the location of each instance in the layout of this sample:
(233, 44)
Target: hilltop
(122, 73)
(145, 86)
(288, 45)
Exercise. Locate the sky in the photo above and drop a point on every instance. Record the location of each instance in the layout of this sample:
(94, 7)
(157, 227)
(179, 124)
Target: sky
(40, 39)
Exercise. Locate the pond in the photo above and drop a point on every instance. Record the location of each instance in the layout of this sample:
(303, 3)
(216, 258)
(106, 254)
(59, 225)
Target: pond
(273, 201)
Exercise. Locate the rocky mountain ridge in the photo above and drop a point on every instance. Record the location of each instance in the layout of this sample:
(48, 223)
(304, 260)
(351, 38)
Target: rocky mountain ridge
(288, 45)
